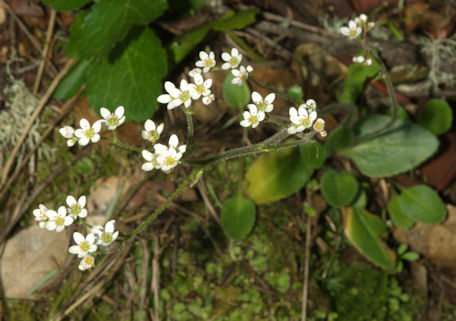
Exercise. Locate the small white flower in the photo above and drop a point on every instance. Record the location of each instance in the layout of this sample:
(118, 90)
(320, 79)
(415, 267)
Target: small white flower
(252, 117)
(151, 159)
(201, 87)
(352, 31)
(86, 263)
(362, 60)
(58, 220)
(168, 157)
(207, 61)
(194, 72)
(208, 99)
(84, 245)
(88, 133)
(40, 215)
(368, 62)
(115, 119)
(362, 19)
(231, 61)
(319, 125)
(68, 133)
(263, 105)
(76, 208)
(105, 236)
(311, 104)
(241, 75)
(150, 132)
(301, 119)
(176, 97)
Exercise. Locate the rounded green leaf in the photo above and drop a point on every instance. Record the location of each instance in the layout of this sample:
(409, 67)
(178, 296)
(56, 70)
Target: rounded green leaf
(436, 116)
(402, 147)
(237, 217)
(314, 154)
(339, 189)
(398, 217)
(340, 138)
(234, 95)
(363, 230)
(410, 256)
(421, 203)
(274, 176)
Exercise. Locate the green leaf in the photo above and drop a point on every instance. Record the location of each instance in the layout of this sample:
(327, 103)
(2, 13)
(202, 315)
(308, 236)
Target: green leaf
(71, 83)
(274, 176)
(421, 203)
(402, 248)
(109, 21)
(339, 189)
(404, 146)
(398, 217)
(363, 230)
(66, 5)
(410, 256)
(181, 47)
(234, 95)
(133, 79)
(436, 116)
(340, 138)
(353, 85)
(73, 46)
(314, 154)
(237, 217)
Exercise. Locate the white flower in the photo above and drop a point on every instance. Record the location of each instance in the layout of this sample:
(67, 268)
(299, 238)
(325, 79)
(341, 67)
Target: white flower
(176, 97)
(86, 263)
(231, 61)
(151, 161)
(362, 60)
(301, 119)
(76, 208)
(68, 133)
(58, 220)
(265, 105)
(115, 119)
(84, 245)
(88, 133)
(311, 104)
(252, 117)
(241, 75)
(352, 31)
(207, 61)
(105, 236)
(168, 157)
(361, 19)
(194, 72)
(208, 99)
(150, 132)
(319, 127)
(40, 215)
(200, 87)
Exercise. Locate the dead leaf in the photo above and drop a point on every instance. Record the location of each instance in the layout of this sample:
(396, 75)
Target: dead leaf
(30, 256)
(26, 8)
(435, 242)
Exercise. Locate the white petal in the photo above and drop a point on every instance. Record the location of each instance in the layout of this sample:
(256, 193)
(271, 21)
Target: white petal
(269, 108)
(68, 220)
(256, 97)
(160, 128)
(70, 200)
(115, 235)
(226, 56)
(51, 214)
(160, 148)
(169, 86)
(182, 149)
(62, 211)
(147, 166)
(270, 98)
(344, 31)
(352, 24)
(293, 112)
(291, 130)
(226, 66)
(234, 52)
(261, 116)
(235, 72)
(246, 115)
(109, 227)
(183, 85)
(90, 238)
(105, 113)
(203, 55)
(96, 127)
(302, 111)
(164, 99)
(82, 201)
(78, 237)
(82, 213)
(50, 225)
(173, 141)
(174, 103)
(83, 141)
(149, 125)
(119, 112)
(208, 83)
(198, 79)
(84, 124)
(253, 109)
(245, 123)
(200, 64)
(313, 116)
(148, 156)
(95, 138)
(74, 249)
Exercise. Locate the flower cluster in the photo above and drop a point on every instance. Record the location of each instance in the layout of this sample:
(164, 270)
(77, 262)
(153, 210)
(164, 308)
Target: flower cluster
(305, 117)
(257, 110)
(65, 216)
(362, 60)
(90, 133)
(356, 27)
(164, 157)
